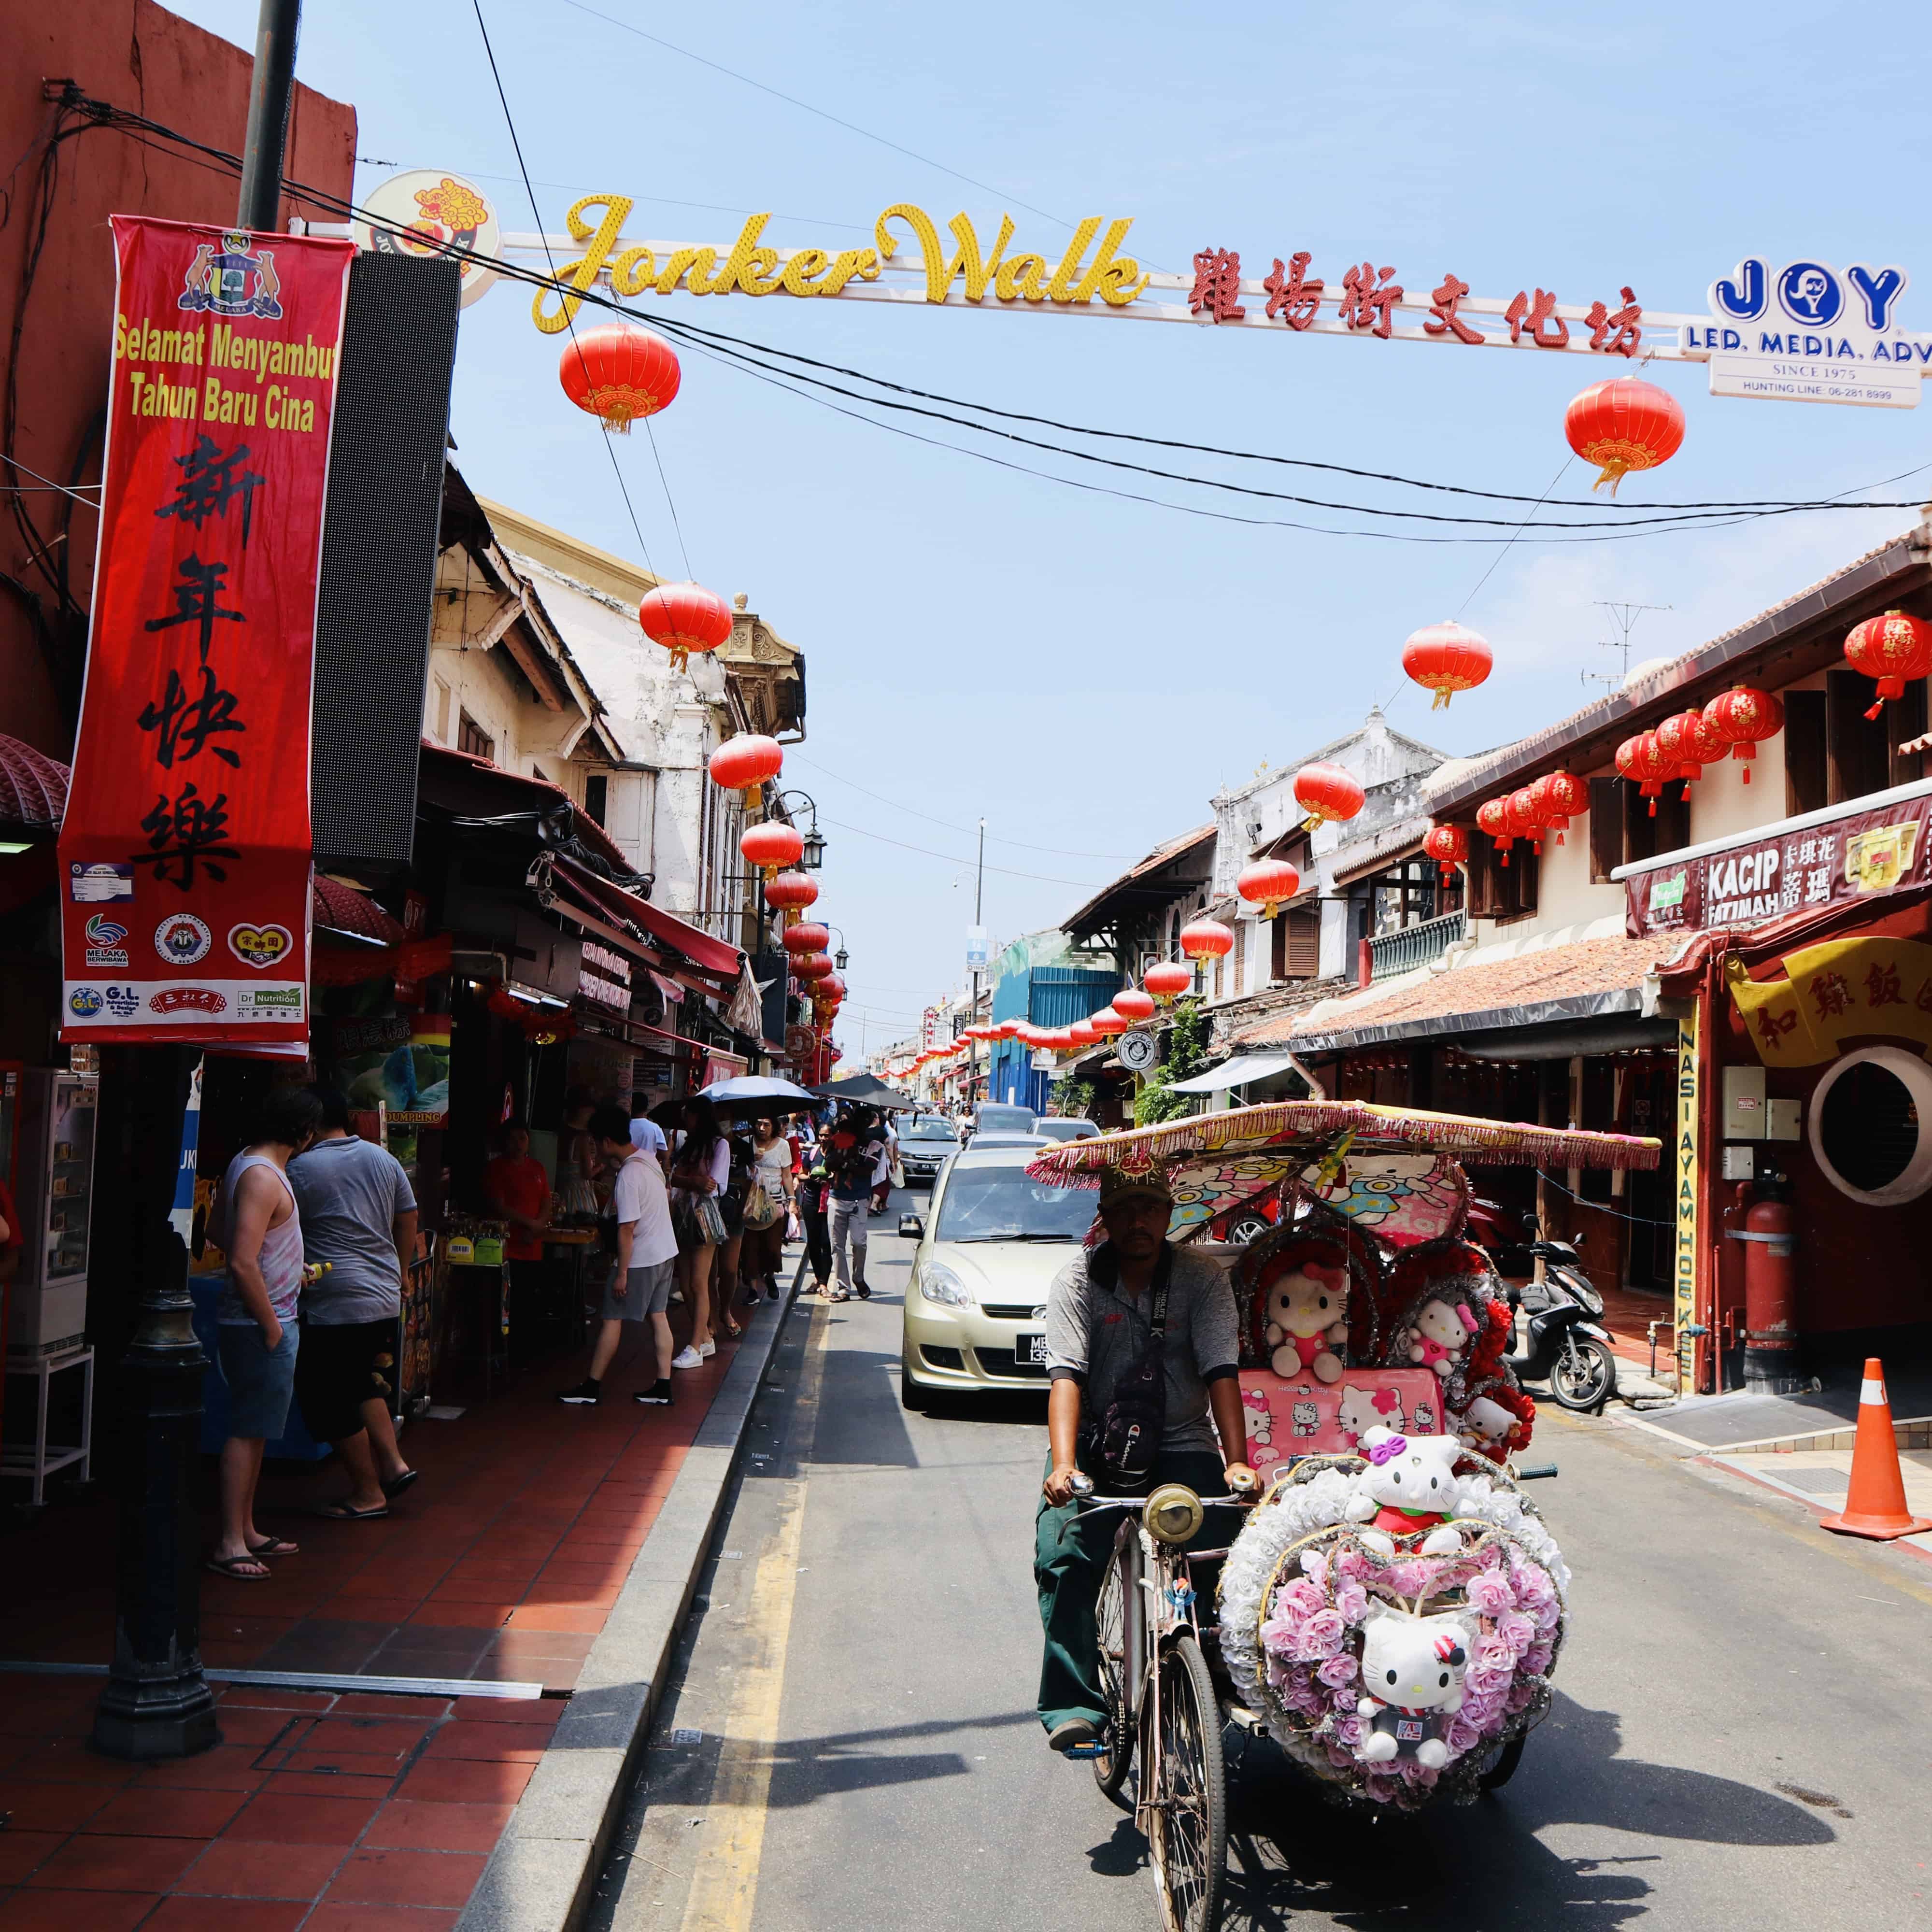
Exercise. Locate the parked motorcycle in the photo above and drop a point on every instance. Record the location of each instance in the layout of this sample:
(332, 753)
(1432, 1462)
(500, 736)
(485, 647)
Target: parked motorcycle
(1555, 1333)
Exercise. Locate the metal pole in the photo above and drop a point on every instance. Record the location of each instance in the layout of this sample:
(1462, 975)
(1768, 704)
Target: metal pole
(269, 95)
(973, 1045)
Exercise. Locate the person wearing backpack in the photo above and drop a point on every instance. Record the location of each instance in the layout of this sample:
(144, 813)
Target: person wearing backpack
(1143, 1348)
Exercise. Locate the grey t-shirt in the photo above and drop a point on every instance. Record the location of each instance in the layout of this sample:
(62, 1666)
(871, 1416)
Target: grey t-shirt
(349, 1191)
(1096, 1334)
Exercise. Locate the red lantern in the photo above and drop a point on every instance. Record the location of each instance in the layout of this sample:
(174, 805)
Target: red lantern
(1133, 1006)
(1446, 658)
(830, 988)
(813, 966)
(1744, 718)
(1448, 845)
(1168, 980)
(790, 893)
(1492, 816)
(1108, 1023)
(1685, 743)
(1642, 761)
(618, 374)
(1082, 1033)
(1624, 424)
(1205, 939)
(1268, 884)
(1327, 794)
(802, 936)
(1565, 796)
(772, 845)
(684, 618)
(743, 764)
(1891, 648)
(1527, 816)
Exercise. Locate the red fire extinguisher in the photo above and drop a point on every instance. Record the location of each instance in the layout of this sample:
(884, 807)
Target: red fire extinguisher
(1770, 1291)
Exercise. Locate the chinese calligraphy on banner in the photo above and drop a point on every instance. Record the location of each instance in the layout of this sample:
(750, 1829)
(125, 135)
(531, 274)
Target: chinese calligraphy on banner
(185, 852)
(1872, 986)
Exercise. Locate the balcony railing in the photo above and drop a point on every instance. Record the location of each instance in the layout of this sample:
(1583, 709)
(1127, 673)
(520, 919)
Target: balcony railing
(1414, 946)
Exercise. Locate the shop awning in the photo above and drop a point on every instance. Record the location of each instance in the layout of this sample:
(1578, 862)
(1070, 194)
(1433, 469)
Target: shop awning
(340, 909)
(33, 789)
(720, 961)
(1236, 1073)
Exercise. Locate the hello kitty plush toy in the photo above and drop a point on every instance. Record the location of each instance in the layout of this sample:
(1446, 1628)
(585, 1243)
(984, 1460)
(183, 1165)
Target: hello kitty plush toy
(1486, 1424)
(1307, 1320)
(1260, 1419)
(1407, 1490)
(1412, 1670)
(1363, 1408)
(1442, 1330)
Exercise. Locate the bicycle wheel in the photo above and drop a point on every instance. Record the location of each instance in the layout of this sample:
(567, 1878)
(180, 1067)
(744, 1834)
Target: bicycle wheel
(1110, 1619)
(1188, 1841)
(1500, 1768)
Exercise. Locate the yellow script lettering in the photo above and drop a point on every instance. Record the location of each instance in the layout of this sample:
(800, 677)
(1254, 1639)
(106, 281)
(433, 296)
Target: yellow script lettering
(1021, 276)
(633, 271)
(699, 262)
(582, 273)
(847, 264)
(747, 266)
(798, 272)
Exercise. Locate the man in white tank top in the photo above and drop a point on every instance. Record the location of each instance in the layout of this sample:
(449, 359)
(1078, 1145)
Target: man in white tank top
(257, 1318)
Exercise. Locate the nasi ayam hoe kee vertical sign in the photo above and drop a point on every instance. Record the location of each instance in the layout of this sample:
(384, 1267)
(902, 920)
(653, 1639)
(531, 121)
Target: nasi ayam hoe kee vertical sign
(185, 852)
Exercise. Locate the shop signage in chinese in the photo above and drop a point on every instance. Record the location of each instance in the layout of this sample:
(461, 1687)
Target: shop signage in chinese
(185, 851)
(604, 976)
(1851, 857)
(1865, 988)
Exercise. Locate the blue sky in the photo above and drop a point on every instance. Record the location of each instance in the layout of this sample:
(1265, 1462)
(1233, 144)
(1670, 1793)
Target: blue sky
(1084, 671)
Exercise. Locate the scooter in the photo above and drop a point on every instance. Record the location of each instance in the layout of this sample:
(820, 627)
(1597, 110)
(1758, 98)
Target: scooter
(1553, 1333)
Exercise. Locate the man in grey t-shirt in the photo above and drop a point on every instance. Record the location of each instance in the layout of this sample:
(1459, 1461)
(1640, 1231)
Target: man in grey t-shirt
(1099, 1322)
(359, 1214)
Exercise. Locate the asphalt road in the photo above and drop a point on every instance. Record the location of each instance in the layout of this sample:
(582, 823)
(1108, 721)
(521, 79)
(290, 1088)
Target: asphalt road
(1740, 1737)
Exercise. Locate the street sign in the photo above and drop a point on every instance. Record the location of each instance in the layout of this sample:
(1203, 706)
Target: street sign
(977, 948)
(1138, 1052)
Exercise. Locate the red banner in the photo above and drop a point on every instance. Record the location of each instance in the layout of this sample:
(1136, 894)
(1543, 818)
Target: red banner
(185, 852)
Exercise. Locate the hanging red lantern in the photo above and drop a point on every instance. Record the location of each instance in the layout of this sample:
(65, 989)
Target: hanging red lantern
(1268, 884)
(1168, 980)
(1744, 718)
(1623, 424)
(1205, 939)
(1527, 815)
(743, 764)
(1448, 845)
(790, 893)
(1446, 658)
(813, 966)
(1892, 648)
(1108, 1023)
(771, 845)
(1082, 1033)
(802, 936)
(618, 374)
(684, 618)
(1565, 796)
(1687, 743)
(1327, 794)
(1492, 816)
(1642, 761)
(1133, 1006)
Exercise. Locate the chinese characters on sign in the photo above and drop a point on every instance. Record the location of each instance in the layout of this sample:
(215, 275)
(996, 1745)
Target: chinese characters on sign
(1821, 996)
(190, 792)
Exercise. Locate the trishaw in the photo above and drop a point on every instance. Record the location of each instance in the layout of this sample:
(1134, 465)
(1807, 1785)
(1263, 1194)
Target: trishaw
(1400, 1656)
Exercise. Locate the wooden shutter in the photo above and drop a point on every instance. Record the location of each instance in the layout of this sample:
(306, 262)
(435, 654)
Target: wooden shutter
(1673, 817)
(1855, 755)
(1524, 866)
(1278, 946)
(1904, 720)
(1302, 944)
(1240, 957)
(1607, 829)
(1805, 777)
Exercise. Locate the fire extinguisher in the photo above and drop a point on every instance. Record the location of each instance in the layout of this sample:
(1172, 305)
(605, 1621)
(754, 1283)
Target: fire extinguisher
(1771, 1290)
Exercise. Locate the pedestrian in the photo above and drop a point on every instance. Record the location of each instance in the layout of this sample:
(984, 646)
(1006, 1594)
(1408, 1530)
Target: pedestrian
(855, 1152)
(700, 1172)
(767, 1208)
(883, 1179)
(726, 1280)
(814, 1196)
(358, 1215)
(638, 1288)
(516, 1185)
(647, 1132)
(578, 1167)
(257, 1338)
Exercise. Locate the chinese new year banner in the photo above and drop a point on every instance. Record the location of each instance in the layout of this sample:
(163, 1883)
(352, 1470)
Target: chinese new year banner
(1868, 987)
(185, 852)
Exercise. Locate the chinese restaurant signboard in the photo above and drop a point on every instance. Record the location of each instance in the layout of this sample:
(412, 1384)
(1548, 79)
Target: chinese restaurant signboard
(1752, 883)
(185, 852)
(1872, 987)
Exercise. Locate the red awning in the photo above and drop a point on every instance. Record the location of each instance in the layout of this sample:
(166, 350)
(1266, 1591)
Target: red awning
(342, 909)
(516, 791)
(713, 956)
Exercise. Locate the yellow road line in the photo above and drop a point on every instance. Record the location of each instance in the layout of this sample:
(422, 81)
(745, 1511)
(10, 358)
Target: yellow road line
(724, 1883)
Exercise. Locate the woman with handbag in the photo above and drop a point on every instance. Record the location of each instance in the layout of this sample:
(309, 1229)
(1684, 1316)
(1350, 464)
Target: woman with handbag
(700, 1174)
(767, 1204)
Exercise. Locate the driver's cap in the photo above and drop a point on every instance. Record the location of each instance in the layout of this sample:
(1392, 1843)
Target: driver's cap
(1116, 1183)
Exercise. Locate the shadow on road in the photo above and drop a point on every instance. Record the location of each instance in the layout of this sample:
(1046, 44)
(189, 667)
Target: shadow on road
(807, 1769)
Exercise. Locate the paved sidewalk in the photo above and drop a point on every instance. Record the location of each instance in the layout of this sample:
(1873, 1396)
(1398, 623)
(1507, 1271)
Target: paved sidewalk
(528, 1533)
(1821, 1477)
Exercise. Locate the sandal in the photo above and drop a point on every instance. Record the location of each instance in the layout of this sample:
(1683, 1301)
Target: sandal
(342, 1513)
(397, 1483)
(241, 1569)
(274, 1545)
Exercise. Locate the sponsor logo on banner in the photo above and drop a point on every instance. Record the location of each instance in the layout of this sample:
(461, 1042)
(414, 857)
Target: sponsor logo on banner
(88, 885)
(85, 1001)
(124, 1001)
(182, 939)
(268, 1002)
(259, 946)
(188, 999)
(104, 942)
(231, 279)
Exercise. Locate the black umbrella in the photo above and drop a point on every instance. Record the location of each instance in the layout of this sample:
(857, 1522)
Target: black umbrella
(861, 1090)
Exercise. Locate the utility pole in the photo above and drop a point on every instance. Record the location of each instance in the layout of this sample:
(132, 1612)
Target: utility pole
(973, 1010)
(1624, 616)
(269, 95)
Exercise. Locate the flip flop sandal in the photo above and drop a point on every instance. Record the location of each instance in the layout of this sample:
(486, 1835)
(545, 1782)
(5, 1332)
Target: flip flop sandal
(232, 1567)
(276, 1546)
(396, 1485)
(342, 1513)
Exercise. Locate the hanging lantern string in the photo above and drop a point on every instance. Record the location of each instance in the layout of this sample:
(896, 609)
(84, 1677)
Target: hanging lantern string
(623, 488)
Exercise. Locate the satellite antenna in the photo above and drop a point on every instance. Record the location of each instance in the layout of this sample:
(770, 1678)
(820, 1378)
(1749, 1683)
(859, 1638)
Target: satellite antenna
(1624, 616)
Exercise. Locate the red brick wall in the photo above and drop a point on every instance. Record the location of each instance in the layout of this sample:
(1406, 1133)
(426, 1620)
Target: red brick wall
(133, 54)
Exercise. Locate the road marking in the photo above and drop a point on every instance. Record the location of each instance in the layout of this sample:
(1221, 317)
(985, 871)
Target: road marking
(724, 1882)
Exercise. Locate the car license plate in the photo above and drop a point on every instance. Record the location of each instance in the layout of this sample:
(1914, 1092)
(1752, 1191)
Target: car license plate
(1030, 1348)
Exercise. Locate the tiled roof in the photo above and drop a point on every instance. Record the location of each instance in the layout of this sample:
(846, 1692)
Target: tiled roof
(1494, 993)
(1161, 855)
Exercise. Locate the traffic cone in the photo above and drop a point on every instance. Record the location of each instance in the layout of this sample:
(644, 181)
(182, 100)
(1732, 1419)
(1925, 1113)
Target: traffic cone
(1875, 1505)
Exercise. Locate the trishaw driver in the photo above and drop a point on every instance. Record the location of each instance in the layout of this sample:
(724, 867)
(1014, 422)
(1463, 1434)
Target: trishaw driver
(1099, 1320)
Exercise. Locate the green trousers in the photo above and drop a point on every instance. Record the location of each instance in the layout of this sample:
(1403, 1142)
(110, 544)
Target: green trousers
(1069, 1562)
